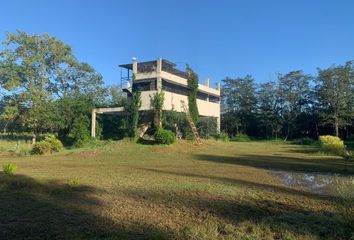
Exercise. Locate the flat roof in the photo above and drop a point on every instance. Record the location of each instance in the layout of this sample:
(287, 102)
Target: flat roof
(149, 66)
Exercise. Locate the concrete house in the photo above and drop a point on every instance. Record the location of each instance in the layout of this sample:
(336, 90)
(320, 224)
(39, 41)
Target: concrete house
(151, 76)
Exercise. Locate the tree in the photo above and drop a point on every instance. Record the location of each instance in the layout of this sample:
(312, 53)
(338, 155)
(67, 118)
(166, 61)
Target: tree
(268, 107)
(294, 91)
(8, 115)
(133, 111)
(43, 74)
(335, 93)
(192, 82)
(30, 65)
(240, 100)
(157, 101)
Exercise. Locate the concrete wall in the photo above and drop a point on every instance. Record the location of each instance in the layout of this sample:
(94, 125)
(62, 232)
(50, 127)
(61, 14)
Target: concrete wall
(173, 100)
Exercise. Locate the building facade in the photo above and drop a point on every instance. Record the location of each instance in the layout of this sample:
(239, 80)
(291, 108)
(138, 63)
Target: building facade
(152, 76)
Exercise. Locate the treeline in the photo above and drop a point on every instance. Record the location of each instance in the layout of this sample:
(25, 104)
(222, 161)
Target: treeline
(45, 89)
(295, 105)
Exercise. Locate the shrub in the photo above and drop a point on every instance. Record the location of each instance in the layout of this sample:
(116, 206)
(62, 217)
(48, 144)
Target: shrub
(222, 136)
(80, 130)
(163, 136)
(55, 143)
(41, 148)
(332, 144)
(207, 127)
(9, 168)
(73, 183)
(48, 145)
(241, 138)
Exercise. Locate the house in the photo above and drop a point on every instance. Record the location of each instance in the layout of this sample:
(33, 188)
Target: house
(151, 76)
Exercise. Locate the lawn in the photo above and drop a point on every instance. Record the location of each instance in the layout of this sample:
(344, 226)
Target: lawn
(218, 190)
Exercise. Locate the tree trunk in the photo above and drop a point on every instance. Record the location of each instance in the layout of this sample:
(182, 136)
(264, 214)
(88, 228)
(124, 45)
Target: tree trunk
(336, 126)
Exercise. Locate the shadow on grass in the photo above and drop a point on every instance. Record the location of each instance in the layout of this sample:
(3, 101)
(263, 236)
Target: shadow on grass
(248, 184)
(285, 163)
(30, 209)
(146, 141)
(277, 216)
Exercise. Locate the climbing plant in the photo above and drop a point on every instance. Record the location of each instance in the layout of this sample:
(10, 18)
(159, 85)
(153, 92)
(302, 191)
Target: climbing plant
(132, 109)
(157, 101)
(192, 81)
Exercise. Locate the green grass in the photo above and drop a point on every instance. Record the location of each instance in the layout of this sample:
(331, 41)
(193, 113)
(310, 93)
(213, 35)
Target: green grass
(124, 190)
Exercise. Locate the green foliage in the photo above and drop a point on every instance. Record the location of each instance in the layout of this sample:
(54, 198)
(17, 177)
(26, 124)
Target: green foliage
(55, 143)
(332, 144)
(335, 93)
(49, 144)
(239, 98)
(80, 131)
(46, 84)
(133, 111)
(9, 168)
(207, 127)
(157, 101)
(192, 81)
(73, 183)
(41, 148)
(241, 137)
(163, 136)
(222, 137)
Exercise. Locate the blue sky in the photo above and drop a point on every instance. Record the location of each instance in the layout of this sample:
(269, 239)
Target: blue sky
(216, 38)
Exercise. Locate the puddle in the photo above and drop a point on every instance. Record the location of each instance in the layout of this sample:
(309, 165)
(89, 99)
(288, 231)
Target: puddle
(312, 182)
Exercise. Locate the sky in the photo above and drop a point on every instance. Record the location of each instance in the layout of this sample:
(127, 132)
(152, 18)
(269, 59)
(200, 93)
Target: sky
(217, 38)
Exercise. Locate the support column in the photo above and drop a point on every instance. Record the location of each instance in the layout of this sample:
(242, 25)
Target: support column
(135, 70)
(158, 73)
(93, 123)
(218, 124)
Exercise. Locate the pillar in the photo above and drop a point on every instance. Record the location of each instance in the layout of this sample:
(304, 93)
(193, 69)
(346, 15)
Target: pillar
(93, 123)
(158, 73)
(218, 124)
(207, 82)
(218, 86)
(135, 70)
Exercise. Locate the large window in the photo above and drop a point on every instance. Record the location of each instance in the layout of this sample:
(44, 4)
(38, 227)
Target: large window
(184, 90)
(174, 88)
(145, 85)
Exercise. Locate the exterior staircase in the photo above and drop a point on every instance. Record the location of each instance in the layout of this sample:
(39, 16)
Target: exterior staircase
(191, 123)
(142, 128)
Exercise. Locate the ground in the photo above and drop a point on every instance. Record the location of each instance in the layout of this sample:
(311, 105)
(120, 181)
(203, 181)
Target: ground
(124, 190)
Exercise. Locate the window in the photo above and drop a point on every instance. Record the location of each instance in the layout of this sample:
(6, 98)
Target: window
(145, 85)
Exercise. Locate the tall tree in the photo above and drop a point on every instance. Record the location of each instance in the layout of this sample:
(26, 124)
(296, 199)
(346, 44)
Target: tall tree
(269, 109)
(39, 70)
(335, 93)
(192, 81)
(239, 99)
(294, 92)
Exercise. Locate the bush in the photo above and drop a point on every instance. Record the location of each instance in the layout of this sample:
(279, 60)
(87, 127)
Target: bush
(163, 136)
(55, 143)
(80, 131)
(222, 136)
(332, 144)
(207, 127)
(241, 138)
(48, 145)
(73, 183)
(9, 168)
